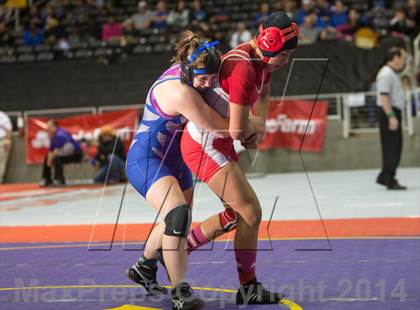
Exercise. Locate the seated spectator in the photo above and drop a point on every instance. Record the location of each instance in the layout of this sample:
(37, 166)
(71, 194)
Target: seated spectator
(142, 19)
(33, 36)
(354, 23)
(5, 143)
(110, 157)
(307, 7)
(412, 11)
(112, 30)
(279, 5)
(220, 16)
(74, 38)
(328, 34)
(323, 11)
(339, 16)
(5, 37)
(241, 35)
(161, 16)
(308, 32)
(5, 13)
(290, 9)
(63, 44)
(199, 20)
(180, 16)
(198, 15)
(401, 24)
(34, 17)
(59, 7)
(52, 27)
(263, 14)
(63, 150)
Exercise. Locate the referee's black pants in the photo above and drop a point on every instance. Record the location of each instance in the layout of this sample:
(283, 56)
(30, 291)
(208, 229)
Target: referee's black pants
(391, 141)
(58, 163)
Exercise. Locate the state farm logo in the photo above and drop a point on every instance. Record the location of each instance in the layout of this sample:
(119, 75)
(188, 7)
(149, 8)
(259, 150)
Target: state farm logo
(289, 125)
(41, 140)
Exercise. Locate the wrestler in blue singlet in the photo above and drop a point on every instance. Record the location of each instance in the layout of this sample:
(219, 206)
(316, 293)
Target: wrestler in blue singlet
(155, 151)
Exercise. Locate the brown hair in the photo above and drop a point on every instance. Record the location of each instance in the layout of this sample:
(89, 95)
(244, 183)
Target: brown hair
(187, 43)
(394, 51)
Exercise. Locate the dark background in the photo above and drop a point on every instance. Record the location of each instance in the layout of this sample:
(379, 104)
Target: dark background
(77, 83)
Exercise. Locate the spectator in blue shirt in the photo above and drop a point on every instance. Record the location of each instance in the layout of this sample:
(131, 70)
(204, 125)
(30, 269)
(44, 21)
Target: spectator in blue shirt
(33, 36)
(307, 8)
(339, 17)
(161, 16)
(63, 149)
(198, 15)
(263, 14)
(323, 11)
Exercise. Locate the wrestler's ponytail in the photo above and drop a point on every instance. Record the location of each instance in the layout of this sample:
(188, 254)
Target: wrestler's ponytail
(186, 44)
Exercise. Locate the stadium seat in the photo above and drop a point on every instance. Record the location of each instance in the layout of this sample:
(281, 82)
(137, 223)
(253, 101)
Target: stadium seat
(45, 56)
(8, 59)
(140, 49)
(23, 49)
(102, 51)
(83, 53)
(42, 48)
(26, 58)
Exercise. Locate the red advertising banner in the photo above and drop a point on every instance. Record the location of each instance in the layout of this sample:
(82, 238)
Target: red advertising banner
(84, 126)
(290, 125)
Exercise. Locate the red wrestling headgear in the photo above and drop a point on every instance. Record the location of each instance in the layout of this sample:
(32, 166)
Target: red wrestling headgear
(277, 33)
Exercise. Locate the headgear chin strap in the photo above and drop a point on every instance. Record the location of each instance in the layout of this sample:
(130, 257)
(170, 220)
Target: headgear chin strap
(272, 39)
(188, 71)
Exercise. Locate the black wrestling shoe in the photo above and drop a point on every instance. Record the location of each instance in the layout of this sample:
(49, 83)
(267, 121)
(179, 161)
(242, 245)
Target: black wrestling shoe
(59, 182)
(255, 294)
(396, 186)
(380, 180)
(45, 182)
(146, 277)
(183, 298)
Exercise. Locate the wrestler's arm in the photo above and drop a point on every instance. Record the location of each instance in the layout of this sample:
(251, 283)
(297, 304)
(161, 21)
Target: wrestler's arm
(239, 124)
(242, 81)
(263, 104)
(185, 100)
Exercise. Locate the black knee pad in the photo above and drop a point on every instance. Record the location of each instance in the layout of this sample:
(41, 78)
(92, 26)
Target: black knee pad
(177, 221)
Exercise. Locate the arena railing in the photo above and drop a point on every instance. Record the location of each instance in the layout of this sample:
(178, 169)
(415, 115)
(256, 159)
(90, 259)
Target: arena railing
(334, 102)
(359, 118)
(119, 107)
(360, 112)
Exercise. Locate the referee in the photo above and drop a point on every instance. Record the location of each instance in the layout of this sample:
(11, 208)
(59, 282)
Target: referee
(390, 101)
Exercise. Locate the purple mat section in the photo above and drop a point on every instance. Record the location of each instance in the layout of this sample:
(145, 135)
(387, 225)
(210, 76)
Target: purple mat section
(371, 274)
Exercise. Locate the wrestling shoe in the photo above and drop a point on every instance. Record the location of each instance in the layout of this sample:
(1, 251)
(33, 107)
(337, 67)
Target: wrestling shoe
(396, 186)
(146, 277)
(253, 293)
(183, 298)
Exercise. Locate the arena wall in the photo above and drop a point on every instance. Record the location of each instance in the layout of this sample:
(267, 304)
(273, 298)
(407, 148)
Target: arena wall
(361, 151)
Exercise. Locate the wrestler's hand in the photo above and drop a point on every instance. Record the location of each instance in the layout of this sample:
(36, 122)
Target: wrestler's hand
(251, 141)
(257, 123)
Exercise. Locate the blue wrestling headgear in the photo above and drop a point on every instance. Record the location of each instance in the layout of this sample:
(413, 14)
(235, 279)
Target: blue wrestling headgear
(188, 71)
